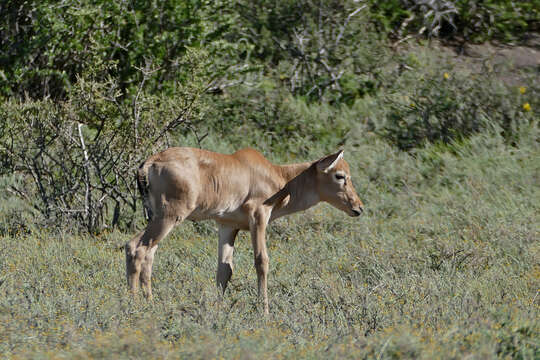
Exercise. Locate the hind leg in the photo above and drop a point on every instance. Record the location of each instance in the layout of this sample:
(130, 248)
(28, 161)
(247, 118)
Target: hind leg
(146, 272)
(139, 247)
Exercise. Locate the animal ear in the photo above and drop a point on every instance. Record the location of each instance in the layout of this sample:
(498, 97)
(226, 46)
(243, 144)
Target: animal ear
(328, 163)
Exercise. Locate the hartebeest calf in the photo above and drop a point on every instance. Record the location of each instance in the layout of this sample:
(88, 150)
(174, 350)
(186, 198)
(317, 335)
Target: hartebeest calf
(242, 191)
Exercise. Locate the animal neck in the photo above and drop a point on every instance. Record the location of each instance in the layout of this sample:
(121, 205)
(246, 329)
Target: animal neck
(299, 192)
(291, 171)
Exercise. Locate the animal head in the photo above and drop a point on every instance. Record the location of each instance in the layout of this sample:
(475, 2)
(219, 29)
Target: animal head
(334, 184)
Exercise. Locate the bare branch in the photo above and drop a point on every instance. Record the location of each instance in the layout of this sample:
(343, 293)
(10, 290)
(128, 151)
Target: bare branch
(342, 28)
(87, 195)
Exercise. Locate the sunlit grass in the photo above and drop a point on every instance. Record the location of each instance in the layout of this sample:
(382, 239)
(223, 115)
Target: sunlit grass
(444, 264)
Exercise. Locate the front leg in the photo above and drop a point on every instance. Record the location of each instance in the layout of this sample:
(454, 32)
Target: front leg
(225, 256)
(258, 222)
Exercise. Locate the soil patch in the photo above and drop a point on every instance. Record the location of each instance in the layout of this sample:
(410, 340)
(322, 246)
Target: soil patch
(509, 61)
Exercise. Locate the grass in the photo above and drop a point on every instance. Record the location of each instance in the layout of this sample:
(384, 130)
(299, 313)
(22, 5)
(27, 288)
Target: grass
(444, 264)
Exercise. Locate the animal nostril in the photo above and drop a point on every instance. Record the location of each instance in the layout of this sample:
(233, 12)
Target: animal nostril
(357, 212)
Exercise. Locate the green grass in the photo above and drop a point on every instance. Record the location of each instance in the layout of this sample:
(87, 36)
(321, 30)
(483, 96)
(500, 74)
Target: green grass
(444, 264)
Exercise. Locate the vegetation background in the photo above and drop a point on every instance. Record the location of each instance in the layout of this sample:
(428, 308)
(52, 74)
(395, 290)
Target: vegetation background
(444, 150)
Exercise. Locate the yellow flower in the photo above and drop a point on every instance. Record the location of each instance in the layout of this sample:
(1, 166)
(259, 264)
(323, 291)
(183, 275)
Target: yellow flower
(527, 107)
(446, 75)
(522, 89)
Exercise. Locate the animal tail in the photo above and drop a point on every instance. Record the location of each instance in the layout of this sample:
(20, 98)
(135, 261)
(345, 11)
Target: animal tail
(142, 185)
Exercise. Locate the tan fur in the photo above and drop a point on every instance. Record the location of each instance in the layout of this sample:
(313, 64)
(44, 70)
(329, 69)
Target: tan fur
(242, 191)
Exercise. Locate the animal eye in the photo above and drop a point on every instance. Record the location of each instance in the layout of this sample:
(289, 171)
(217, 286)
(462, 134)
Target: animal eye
(340, 177)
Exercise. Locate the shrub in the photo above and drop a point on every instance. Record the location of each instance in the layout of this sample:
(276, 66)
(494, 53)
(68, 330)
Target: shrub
(505, 20)
(417, 16)
(445, 106)
(81, 155)
(47, 44)
(268, 118)
(322, 51)
(474, 20)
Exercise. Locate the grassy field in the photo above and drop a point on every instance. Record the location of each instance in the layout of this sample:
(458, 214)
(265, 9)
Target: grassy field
(444, 264)
(442, 136)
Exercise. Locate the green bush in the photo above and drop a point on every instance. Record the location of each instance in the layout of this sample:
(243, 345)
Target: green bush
(474, 20)
(267, 117)
(322, 51)
(504, 20)
(47, 44)
(80, 156)
(447, 106)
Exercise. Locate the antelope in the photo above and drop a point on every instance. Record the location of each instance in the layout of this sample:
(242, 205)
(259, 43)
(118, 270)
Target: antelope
(241, 191)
